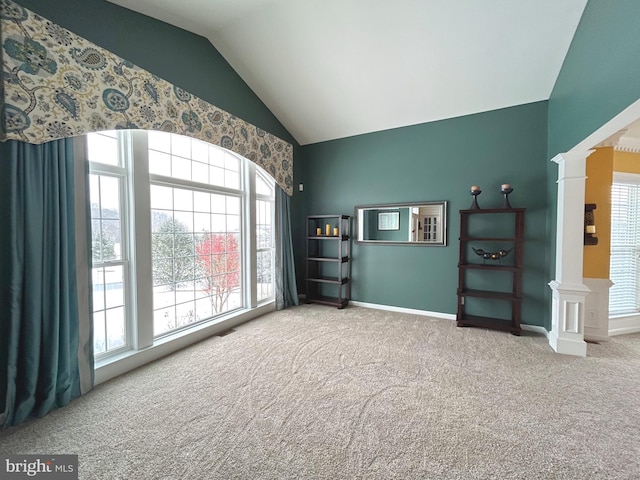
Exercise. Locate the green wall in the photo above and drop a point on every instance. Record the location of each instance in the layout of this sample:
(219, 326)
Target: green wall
(433, 161)
(599, 76)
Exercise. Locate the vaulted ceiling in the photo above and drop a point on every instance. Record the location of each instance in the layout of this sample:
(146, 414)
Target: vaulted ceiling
(330, 69)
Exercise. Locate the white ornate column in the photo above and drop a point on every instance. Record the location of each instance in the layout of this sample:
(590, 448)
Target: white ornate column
(569, 293)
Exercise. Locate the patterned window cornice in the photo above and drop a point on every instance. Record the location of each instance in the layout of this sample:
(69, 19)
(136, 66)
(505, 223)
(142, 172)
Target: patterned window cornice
(56, 84)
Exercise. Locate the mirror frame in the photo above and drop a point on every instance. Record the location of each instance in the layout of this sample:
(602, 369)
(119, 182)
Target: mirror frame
(390, 206)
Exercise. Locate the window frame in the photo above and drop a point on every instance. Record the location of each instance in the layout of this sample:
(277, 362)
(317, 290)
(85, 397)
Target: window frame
(121, 173)
(271, 199)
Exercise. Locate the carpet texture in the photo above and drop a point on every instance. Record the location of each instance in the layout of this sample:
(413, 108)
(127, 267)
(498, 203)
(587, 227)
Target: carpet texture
(313, 392)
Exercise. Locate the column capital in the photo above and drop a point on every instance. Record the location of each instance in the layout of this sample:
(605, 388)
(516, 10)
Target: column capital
(572, 156)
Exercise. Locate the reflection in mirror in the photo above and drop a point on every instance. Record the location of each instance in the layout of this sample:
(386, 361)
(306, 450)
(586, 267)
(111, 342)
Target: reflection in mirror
(419, 223)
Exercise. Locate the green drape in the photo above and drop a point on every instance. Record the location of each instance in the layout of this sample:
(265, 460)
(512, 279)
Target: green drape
(39, 368)
(286, 290)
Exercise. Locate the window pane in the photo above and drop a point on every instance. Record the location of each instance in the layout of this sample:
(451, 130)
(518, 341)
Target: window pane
(231, 162)
(115, 320)
(216, 156)
(219, 204)
(200, 151)
(98, 288)
(99, 333)
(183, 220)
(159, 218)
(159, 163)
(159, 141)
(181, 146)
(185, 313)
(201, 202)
(200, 172)
(204, 309)
(263, 225)
(109, 240)
(181, 168)
(218, 223)
(163, 297)
(231, 179)
(265, 274)
(94, 193)
(102, 147)
(233, 223)
(183, 200)
(205, 274)
(164, 320)
(201, 222)
(233, 205)
(216, 176)
(113, 286)
(262, 187)
(161, 197)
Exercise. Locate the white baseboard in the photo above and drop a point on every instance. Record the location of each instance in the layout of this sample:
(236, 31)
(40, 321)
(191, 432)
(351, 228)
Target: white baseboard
(535, 329)
(624, 325)
(377, 306)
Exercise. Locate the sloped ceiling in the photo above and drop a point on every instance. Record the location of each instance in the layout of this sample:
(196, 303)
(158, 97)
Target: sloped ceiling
(335, 68)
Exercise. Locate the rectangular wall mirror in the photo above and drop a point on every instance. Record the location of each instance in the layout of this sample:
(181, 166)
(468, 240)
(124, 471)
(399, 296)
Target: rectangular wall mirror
(416, 223)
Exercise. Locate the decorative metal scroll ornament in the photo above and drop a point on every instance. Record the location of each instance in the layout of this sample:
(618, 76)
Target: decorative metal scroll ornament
(499, 255)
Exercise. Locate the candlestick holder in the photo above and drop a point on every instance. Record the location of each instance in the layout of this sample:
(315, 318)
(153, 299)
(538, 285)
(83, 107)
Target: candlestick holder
(506, 192)
(474, 204)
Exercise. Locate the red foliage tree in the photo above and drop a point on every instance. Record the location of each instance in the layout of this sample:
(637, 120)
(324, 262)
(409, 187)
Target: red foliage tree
(219, 258)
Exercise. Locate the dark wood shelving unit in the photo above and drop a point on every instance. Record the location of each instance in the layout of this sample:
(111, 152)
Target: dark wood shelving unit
(509, 218)
(328, 260)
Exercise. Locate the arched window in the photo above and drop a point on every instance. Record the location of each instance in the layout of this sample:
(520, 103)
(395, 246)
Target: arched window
(182, 234)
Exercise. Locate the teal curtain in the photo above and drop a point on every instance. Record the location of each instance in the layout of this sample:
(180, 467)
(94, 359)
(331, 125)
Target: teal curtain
(39, 367)
(286, 290)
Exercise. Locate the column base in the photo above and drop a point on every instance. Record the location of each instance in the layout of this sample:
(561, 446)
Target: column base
(567, 318)
(566, 346)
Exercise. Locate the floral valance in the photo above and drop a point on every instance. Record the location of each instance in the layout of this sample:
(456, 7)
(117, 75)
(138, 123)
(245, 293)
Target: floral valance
(56, 84)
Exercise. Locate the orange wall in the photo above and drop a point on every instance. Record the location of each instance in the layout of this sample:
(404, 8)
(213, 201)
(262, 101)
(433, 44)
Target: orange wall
(626, 162)
(595, 262)
(600, 167)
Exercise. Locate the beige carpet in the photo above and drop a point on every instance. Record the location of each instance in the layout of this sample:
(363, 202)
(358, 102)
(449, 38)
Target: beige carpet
(319, 393)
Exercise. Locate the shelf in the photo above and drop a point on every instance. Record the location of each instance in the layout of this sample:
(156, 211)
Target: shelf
(333, 301)
(328, 259)
(488, 239)
(482, 266)
(333, 280)
(493, 230)
(328, 237)
(489, 294)
(488, 322)
(342, 217)
(493, 210)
